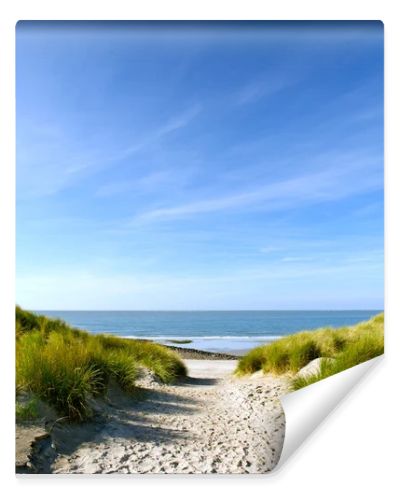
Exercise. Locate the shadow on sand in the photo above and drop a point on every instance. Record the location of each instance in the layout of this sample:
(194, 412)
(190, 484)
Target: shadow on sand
(198, 381)
(121, 416)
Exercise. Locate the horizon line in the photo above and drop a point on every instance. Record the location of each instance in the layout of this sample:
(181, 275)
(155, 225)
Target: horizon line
(209, 310)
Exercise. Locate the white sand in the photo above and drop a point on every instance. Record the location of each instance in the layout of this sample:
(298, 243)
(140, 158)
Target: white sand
(212, 422)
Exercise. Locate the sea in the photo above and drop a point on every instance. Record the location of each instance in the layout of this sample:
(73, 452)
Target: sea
(233, 332)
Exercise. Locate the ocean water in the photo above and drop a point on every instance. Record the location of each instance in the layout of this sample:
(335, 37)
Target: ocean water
(215, 331)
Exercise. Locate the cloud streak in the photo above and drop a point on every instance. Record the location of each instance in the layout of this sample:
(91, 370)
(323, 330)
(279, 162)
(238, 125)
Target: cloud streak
(56, 167)
(175, 123)
(262, 88)
(315, 187)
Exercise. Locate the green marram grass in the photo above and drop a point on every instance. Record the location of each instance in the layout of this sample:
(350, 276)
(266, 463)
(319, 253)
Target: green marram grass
(66, 366)
(341, 348)
(27, 411)
(364, 347)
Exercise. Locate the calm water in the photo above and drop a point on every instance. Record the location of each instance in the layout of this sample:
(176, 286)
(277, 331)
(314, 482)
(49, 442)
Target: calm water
(216, 331)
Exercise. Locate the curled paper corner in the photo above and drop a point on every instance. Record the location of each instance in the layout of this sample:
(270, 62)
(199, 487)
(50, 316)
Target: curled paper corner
(307, 408)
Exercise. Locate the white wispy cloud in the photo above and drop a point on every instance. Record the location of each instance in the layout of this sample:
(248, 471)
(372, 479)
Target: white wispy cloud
(270, 249)
(314, 187)
(148, 182)
(173, 124)
(46, 167)
(265, 86)
(179, 121)
(299, 258)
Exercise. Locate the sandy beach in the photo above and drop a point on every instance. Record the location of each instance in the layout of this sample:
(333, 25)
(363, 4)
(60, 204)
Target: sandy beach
(209, 422)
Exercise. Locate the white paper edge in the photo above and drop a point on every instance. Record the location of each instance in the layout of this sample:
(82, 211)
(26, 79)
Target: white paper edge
(306, 408)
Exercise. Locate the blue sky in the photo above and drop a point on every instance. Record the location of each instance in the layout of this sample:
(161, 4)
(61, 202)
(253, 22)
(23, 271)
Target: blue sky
(200, 166)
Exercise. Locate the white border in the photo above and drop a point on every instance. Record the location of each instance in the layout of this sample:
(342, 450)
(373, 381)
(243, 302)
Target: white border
(350, 454)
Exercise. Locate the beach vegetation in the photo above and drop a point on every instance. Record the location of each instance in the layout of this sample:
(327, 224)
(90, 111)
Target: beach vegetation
(339, 348)
(66, 367)
(27, 410)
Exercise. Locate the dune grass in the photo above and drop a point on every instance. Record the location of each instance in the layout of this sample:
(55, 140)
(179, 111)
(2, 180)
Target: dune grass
(342, 348)
(66, 366)
(362, 348)
(27, 411)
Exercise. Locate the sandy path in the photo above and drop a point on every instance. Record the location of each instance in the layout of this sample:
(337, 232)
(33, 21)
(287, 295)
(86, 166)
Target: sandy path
(208, 423)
